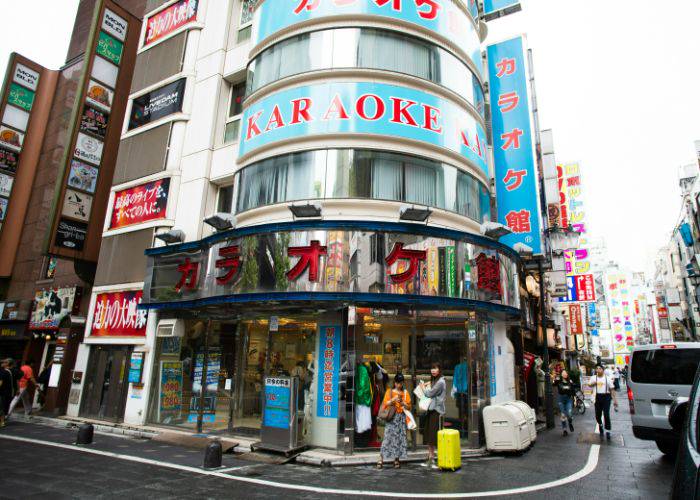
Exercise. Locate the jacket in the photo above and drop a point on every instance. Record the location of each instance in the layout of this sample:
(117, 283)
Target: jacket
(363, 389)
(406, 399)
(437, 395)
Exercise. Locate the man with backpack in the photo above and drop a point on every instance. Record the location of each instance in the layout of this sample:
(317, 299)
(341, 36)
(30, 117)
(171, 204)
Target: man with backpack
(7, 389)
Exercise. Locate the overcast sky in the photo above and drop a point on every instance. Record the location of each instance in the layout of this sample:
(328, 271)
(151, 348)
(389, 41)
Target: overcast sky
(617, 81)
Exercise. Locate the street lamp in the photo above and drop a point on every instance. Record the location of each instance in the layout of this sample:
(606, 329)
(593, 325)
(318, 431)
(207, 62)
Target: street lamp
(221, 221)
(414, 213)
(171, 237)
(494, 230)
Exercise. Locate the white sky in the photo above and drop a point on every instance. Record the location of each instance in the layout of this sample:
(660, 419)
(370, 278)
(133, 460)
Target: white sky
(617, 81)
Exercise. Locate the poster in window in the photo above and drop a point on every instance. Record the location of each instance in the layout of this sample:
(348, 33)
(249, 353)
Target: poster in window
(5, 185)
(140, 204)
(8, 160)
(3, 208)
(51, 306)
(89, 149)
(171, 377)
(162, 23)
(82, 176)
(94, 122)
(11, 138)
(100, 96)
(77, 205)
(71, 234)
(157, 104)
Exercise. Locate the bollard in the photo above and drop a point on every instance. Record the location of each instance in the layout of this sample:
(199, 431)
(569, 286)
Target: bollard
(85, 433)
(212, 455)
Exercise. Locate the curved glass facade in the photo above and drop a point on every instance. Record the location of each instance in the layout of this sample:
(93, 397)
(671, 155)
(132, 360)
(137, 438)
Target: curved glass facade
(349, 173)
(366, 48)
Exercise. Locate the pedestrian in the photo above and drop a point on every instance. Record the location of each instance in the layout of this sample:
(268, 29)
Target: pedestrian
(566, 390)
(436, 393)
(625, 374)
(604, 394)
(616, 379)
(43, 382)
(7, 389)
(23, 389)
(395, 443)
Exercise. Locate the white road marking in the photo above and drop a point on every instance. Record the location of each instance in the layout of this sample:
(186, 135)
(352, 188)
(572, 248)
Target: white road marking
(590, 466)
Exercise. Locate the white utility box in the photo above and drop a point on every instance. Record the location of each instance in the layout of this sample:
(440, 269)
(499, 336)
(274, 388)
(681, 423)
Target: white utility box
(530, 416)
(506, 428)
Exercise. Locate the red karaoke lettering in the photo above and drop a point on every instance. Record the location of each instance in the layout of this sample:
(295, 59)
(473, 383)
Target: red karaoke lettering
(189, 272)
(516, 176)
(511, 139)
(253, 128)
(336, 109)
(413, 257)
(308, 258)
(508, 102)
(505, 67)
(230, 261)
(395, 4)
(433, 8)
(401, 113)
(519, 222)
(432, 119)
(300, 110)
(361, 107)
(307, 5)
(275, 119)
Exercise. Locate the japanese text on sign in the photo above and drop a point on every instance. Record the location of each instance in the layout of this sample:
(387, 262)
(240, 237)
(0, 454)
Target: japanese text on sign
(328, 376)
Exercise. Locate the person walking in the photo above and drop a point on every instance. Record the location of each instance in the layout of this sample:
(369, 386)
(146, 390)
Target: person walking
(436, 393)
(23, 390)
(7, 389)
(395, 443)
(604, 394)
(616, 379)
(566, 391)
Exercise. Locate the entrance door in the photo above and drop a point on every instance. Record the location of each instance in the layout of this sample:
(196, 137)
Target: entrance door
(49, 350)
(107, 383)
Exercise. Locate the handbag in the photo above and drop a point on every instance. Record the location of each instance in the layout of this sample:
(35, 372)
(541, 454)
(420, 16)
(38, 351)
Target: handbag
(410, 421)
(387, 413)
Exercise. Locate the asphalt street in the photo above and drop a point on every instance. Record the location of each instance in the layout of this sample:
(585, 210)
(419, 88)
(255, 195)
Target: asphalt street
(40, 461)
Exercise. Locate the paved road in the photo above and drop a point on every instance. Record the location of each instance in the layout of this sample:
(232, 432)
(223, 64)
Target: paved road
(626, 468)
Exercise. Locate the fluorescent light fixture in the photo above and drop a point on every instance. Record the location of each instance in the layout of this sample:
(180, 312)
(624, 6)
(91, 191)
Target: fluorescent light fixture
(221, 221)
(172, 236)
(523, 249)
(306, 211)
(495, 230)
(413, 213)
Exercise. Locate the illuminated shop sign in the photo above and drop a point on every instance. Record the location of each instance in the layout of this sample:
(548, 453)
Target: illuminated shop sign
(140, 204)
(363, 108)
(116, 315)
(334, 261)
(513, 149)
(51, 306)
(439, 16)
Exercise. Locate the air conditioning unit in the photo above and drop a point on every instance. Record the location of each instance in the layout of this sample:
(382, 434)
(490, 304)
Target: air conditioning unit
(170, 328)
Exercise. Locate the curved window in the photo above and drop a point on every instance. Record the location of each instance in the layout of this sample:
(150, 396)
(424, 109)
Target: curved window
(365, 48)
(350, 173)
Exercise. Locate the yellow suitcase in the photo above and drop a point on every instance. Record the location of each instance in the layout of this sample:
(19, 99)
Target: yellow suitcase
(448, 450)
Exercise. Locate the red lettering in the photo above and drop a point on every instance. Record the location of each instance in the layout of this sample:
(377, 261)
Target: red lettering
(275, 119)
(253, 128)
(336, 108)
(432, 119)
(401, 114)
(300, 110)
(378, 103)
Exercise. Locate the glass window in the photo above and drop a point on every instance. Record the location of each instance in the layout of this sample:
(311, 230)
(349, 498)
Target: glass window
(665, 366)
(224, 202)
(233, 120)
(365, 48)
(347, 173)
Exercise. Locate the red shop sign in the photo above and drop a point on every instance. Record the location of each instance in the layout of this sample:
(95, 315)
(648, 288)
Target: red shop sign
(168, 20)
(140, 204)
(575, 320)
(116, 315)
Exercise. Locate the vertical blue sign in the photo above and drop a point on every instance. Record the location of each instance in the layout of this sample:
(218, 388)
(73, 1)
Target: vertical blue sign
(517, 191)
(277, 399)
(491, 6)
(329, 371)
(492, 360)
(571, 291)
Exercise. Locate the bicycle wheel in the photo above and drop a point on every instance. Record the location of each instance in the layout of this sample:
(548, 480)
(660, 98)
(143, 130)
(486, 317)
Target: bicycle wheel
(580, 407)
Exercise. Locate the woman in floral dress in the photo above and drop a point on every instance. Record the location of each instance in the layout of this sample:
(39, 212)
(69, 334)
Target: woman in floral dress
(395, 443)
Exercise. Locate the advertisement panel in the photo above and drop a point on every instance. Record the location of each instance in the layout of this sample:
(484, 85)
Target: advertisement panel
(100, 96)
(6, 185)
(140, 204)
(493, 6)
(3, 208)
(575, 320)
(330, 339)
(110, 48)
(116, 315)
(82, 176)
(363, 108)
(51, 306)
(175, 16)
(170, 407)
(26, 77)
(77, 205)
(516, 175)
(71, 234)
(114, 25)
(8, 160)
(211, 386)
(94, 122)
(577, 261)
(20, 97)
(10, 138)
(277, 398)
(89, 149)
(442, 18)
(157, 104)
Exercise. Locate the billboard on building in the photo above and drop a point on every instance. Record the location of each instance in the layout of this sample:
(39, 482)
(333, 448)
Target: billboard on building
(516, 175)
(116, 315)
(170, 19)
(139, 204)
(51, 306)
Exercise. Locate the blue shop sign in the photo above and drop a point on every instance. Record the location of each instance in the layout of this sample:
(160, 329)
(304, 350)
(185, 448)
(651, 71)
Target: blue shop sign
(277, 400)
(329, 371)
(491, 6)
(517, 186)
(442, 17)
(364, 108)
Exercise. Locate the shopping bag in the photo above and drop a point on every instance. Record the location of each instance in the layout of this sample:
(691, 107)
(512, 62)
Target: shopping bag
(410, 421)
(423, 401)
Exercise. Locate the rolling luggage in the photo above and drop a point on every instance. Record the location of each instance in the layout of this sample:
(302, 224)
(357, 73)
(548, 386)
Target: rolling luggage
(448, 450)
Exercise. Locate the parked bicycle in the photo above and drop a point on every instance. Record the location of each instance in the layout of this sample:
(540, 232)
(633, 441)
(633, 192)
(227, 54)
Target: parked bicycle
(579, 404)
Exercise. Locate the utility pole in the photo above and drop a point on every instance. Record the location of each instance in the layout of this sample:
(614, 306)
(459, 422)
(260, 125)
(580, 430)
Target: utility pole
(548, 391)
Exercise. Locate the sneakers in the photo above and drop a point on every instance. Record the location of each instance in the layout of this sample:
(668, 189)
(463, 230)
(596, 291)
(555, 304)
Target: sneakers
(565, 433)
(607, 436)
